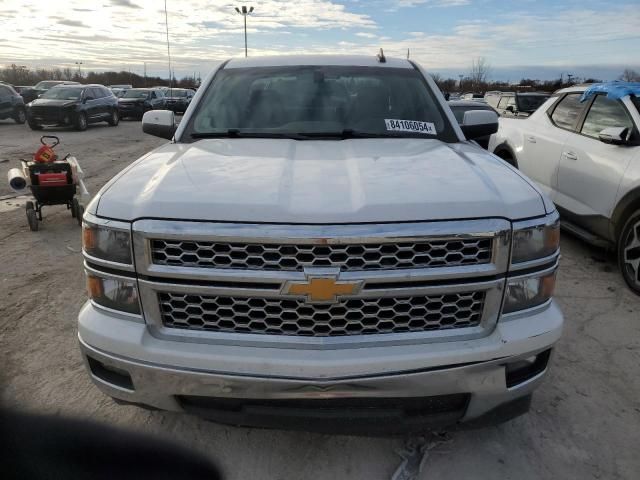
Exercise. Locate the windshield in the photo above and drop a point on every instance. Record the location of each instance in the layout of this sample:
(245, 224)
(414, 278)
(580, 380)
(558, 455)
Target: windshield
(46, 85)
(177, 93)
(135, 94)
(319, 100)
(529, 103)
(62, 93)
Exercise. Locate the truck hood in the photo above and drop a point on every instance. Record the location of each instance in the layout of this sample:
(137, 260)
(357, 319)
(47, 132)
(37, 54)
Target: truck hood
(290, 181)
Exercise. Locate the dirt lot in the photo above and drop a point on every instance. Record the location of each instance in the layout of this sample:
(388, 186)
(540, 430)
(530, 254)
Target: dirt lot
(585, 421)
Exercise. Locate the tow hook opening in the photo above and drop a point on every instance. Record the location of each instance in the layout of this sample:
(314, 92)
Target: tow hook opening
(523, 370)
(111, 375)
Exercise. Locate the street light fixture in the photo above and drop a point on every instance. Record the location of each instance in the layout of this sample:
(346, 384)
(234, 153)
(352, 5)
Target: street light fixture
(79, 71)
(244, 11)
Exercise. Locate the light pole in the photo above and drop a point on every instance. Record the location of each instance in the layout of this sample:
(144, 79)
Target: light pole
(244, 12)
(79, 71)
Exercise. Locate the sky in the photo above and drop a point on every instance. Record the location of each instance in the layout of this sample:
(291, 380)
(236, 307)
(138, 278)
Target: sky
(525, 38)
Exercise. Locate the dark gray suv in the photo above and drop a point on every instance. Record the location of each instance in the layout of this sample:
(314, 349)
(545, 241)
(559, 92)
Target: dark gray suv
(11, 104)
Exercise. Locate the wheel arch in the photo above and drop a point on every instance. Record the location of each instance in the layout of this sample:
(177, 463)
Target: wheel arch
(506, 153)
(625, 207)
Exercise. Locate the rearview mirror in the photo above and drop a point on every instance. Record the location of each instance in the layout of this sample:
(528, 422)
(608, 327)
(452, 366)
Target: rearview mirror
(160, 123)
(614, 135)
(479, 123)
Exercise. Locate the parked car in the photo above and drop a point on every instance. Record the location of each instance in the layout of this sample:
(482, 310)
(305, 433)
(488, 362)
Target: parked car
(29, 94)
(136, 101)
(582, 147)
(319, 237)
(76, 105)
(516, 104)
(476, 97)
(20, 88)
(460, 107)
(11, 104)
(119, 90)
(178, 99)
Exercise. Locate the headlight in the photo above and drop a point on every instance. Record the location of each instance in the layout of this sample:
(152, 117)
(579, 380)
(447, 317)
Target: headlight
(529, 291)
(533, 240)
(106, 240)
(116, 293)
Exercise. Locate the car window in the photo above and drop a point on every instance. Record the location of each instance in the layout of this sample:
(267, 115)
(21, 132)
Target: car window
(529, 103)
(605, 113)
(97, 93)
(504, 101)
(133, 93)
(62, 93)
(298, 100)
(567, 111)
(4, 91)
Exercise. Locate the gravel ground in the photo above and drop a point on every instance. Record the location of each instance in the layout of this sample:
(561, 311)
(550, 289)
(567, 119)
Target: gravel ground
(583, 424)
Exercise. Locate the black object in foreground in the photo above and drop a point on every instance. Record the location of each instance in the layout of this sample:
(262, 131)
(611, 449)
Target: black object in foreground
(40, 447)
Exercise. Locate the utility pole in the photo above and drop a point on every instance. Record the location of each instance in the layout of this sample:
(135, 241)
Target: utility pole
(79, 70)
(145, 74)
(569, 77)
(166, 22)
(460, 84)
(245, 12)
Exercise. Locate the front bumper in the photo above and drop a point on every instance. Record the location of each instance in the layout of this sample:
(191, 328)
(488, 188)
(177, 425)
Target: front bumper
(128, 363)
(127, 110)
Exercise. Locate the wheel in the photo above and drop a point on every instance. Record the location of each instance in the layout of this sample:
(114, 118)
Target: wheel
(32, 218)
(20, 116)
(114, 119)
(629, 252)
(33, 125)
(79, 214)
(29, 206)
(74, 207)
(81, 122)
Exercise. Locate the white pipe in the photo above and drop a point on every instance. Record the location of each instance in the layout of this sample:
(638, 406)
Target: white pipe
(17, 180)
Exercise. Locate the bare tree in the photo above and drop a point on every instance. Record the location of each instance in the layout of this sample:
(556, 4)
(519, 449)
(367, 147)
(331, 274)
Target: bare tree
(479, 73)
(630, 75)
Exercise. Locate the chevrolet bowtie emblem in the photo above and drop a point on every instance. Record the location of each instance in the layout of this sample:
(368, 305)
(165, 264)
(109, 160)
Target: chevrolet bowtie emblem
(322, 287)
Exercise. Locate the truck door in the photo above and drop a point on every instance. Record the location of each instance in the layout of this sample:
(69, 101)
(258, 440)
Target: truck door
(590, 170)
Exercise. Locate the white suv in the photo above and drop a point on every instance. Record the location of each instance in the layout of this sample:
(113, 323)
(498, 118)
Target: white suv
(582, 147)
(320, 246)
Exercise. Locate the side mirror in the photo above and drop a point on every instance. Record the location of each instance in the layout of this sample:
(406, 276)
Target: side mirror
(614, 135)
(86, 99)
(479, 123)
(160, 123)
(510, 108)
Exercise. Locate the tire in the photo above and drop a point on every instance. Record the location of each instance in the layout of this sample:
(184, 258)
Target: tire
(74, 207)
(79, 214)
(81, 122)
(32, 218)
(20, 117)
(507, 157)
(34, 125)
(629, 252)
(114, 119)
(29, 206)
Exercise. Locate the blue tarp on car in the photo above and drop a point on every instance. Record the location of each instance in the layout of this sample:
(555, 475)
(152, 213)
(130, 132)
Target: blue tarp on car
(614, 90)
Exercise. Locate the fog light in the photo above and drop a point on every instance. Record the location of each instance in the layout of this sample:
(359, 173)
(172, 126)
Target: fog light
(525, 369)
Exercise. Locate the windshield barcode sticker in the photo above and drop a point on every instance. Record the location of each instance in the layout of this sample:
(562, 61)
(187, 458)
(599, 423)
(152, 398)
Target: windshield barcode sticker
(414, 126)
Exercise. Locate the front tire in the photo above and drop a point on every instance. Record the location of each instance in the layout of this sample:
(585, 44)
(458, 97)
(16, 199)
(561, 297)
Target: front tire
(32, 218)
(81, 122)
(629, 252)
(114, 119)
(33, 125)
(20, 116)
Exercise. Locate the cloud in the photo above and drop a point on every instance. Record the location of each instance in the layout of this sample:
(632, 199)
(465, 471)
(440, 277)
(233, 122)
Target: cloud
(71, 23)
(434, 3)
(124, 3)
(366, 35)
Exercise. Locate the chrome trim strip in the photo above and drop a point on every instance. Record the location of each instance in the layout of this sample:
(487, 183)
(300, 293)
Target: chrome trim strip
(107, 263)
(117, 313)
(538, 273)
(538, 262)
(104, 222)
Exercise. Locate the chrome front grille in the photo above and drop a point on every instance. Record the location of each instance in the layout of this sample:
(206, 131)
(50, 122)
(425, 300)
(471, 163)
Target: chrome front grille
(347, 257)
(352, 316)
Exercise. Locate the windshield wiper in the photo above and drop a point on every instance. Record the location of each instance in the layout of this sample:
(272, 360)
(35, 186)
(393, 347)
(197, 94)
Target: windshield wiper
(235, 133)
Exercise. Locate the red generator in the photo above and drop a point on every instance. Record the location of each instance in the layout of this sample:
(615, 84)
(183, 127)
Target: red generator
(52, 182)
